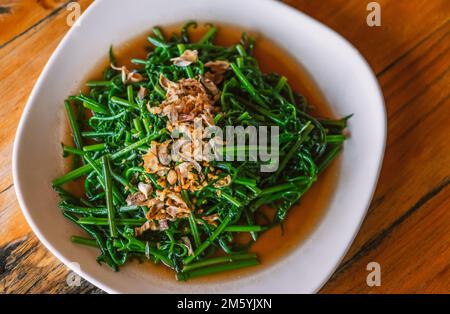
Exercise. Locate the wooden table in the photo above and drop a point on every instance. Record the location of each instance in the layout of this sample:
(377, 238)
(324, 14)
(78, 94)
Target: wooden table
(407, 229)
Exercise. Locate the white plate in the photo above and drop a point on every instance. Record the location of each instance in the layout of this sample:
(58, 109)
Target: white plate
(339, 70)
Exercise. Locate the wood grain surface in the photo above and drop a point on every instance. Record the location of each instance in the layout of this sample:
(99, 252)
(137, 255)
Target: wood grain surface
(407, 228)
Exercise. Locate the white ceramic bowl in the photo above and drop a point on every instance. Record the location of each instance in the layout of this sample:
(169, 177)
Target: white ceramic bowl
(339, 70)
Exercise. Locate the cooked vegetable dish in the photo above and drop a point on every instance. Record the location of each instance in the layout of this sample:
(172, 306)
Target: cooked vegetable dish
(150, 188)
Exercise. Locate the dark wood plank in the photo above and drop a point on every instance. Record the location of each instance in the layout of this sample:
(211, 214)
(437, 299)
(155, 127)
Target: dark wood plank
(19, 17)
(414, 139)
(413, 254)
(404, 24)
(417, 98)
(27, 267)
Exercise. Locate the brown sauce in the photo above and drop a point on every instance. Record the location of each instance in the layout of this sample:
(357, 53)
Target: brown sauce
(303, 217)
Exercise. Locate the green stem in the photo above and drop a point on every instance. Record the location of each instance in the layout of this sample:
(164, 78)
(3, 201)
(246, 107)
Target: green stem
(74, 174)
(72, 150)
(218, 260)
(94, 147)
(328, 158)
(74, 125)
(181, 49)
(105, 221)
(335, 139)
(94, 210)
(277, 188)
(98, 238)
(101, 177)
(93, 134)
(209, 241)
(254, 228)
(194, 230)
(230, 199)
(109, 198)
(245, 181)
(301, 138)
(83, 241)
(98, 83)
(92, 104)
(247, 85)
(123, 102)
(183, 276)
(209, 34)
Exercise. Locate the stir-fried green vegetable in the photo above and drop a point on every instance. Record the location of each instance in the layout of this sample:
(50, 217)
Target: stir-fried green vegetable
(114, 129)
